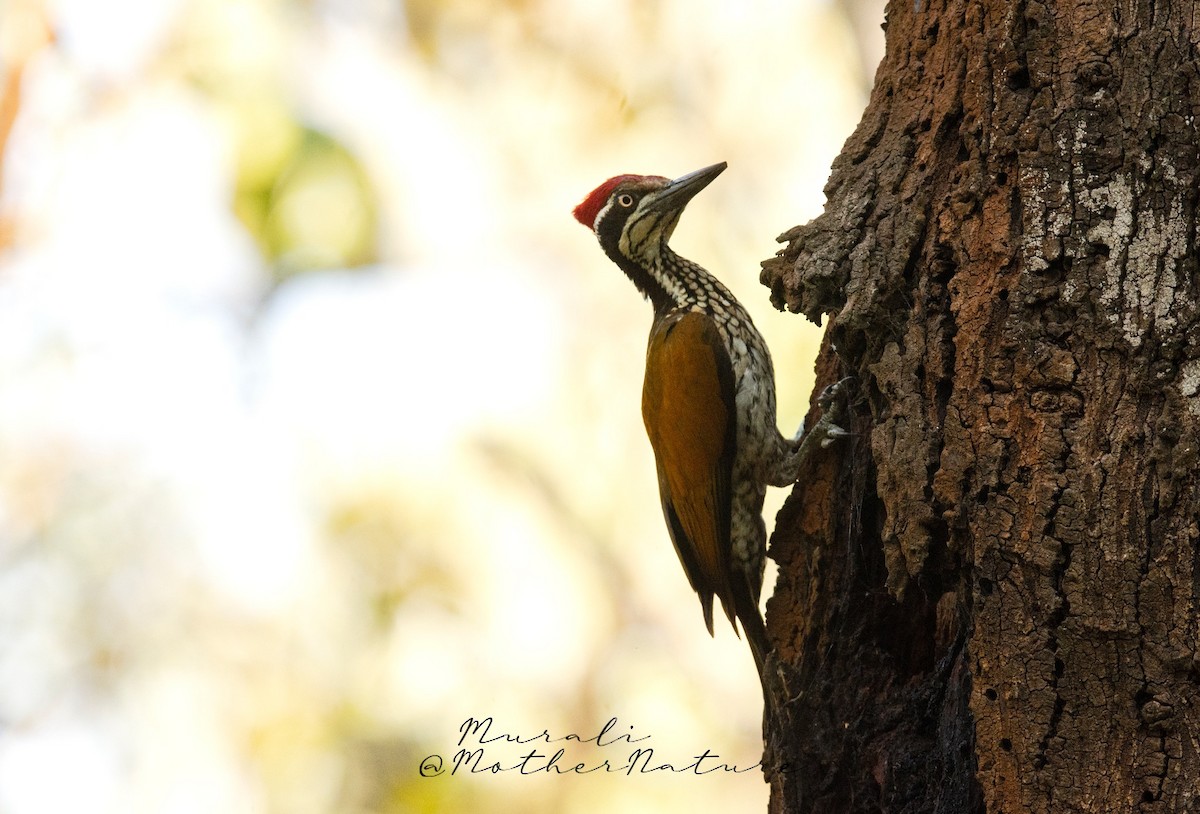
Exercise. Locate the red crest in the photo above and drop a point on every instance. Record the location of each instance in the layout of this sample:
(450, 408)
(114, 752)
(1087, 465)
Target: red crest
(587, 211)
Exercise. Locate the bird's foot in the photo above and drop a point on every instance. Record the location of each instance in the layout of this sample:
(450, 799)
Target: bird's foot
(833, 393)
(823, 434)
(826, 432)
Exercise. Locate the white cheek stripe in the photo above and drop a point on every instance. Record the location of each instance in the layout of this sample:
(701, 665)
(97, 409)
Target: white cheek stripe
(600, 215)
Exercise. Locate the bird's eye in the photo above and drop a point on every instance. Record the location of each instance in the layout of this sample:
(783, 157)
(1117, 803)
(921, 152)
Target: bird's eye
(625, 199)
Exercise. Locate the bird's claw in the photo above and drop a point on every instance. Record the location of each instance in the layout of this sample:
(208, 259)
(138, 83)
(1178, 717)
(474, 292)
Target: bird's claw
(824, 434)
(833, 434)
(833, 392)
(830, 401)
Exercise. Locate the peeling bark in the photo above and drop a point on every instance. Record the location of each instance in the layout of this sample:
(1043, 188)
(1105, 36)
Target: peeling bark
(988, 601)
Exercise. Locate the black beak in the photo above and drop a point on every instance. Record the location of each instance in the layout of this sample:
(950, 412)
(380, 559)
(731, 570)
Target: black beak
(675, 195)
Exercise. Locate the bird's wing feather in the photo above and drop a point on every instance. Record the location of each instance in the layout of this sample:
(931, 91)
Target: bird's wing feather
(690, 414)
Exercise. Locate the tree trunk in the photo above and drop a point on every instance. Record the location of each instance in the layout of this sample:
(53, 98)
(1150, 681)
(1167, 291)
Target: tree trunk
(988, 596)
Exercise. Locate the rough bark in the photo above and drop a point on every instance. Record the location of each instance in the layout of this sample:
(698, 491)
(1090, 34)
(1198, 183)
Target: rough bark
(988, 599)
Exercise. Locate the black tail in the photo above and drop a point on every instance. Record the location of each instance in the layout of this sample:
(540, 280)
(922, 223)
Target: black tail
(745, 608)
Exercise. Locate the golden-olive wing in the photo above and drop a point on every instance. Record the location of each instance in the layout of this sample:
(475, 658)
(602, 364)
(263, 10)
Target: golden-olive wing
(691, 418)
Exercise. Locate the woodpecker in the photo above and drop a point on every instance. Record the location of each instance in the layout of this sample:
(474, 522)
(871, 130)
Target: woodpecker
(708, 398)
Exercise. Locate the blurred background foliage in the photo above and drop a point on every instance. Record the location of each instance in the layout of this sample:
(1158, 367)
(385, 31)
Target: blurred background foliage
(319, 423)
